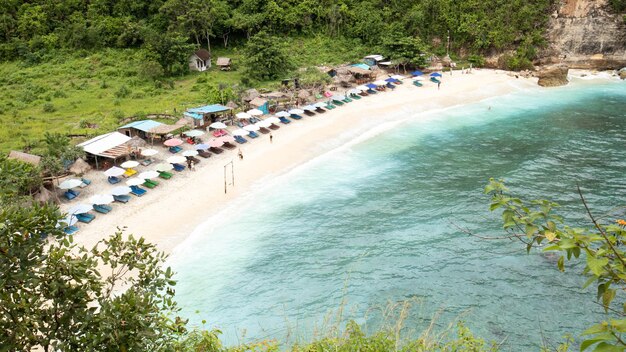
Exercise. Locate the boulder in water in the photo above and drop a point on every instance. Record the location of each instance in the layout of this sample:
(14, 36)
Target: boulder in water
(622, 73)
(553, 76)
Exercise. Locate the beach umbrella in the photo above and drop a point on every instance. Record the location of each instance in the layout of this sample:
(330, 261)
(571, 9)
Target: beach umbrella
(243, 115)
(149, 152)
(398, 77)
(135, 181)
(129, 164)
(202, 146)
(69, 220)
(228, 139)
(114, 171)
(418, 78)
(121, 190)
(435, 74)
(193, 133)
(380, 82)
(176, 159)
(190, 153)
(320, 104)
(263, 124)
(100, 199)
(372, 86)
(70, 183)
(251, 128)
(296, 111)
(363, 88)
(282, 114)
(271, 119)
(338, 97)
(308, 108)
(417, 73)
(218, 125)
(255, 112)
(241, 132)
(146, 175)
(391, 79)
(216, 143)
(81, 208)
(164, 166)
(354, 91)
(173, 142)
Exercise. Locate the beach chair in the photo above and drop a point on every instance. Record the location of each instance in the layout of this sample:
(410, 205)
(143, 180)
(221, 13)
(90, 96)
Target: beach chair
(149, 184)
(70, 230)
(330, 106)
(264, 130)
(274, 127)
(318, 96)
(347, 100)
(390, 86)
(69, 195)
(363, 94)
(435, 80)
(216, 150)
(85, 217)
(371, 91)
(320, 110)
(338, 102)
(113, 180)
(129, 172)
(309, 113)
(417, 83)
(355, 96)
(240, 140)
(101, 208)
(178, 167)
(253, 134)
(85, 183)
(229, 145)
(122, 198)
(195, 160)
(175, 150)
(204, 153)
(296, 116)
(136, 190)
(190, 140)
(165, 175)
(284, 120)
(146, 162)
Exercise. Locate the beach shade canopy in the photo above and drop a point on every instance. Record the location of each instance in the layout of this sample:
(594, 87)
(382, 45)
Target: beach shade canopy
(81, 208)
(225, 139)
(417, 73)
(176, 159)
(202, 146)
(371, 86)
(129, 164)
(296, 111)
(135, 181)
(121, 190)
(308, 108)
(190, 153)
(69, 220)
(398, 77)
(243, 115)
(101, 199)
(255, 112)
(339, 97)
(173, 142)
(362, 88)
(392, 80)
(70, 183)
(218, 125)
(194, 133)
(282, 114)
(114, 171)
(147, 175)
(216, 143)
(263, 123)
(149, 152)
(240, 132)
(418, 78)
(251, 128)
(164, 167)
(435, 74)
(380, 82)
(272, 119)
(354, 91)
(320, 104)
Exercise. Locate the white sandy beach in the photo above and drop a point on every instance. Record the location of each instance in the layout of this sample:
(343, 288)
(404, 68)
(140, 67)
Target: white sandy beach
(167, 214)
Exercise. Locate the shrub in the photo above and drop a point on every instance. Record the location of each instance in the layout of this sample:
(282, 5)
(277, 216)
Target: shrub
(49, 107)
(476, 60)
(123, 92)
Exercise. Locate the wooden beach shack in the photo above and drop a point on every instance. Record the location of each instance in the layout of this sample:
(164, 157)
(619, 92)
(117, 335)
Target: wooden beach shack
(139, 128)
(200, 60)
(110, 146)
(205, 115)
(223, 63)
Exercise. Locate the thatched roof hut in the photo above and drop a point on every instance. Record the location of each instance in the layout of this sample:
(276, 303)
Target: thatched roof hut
(25, 157)
(44, 196)
(250, 94)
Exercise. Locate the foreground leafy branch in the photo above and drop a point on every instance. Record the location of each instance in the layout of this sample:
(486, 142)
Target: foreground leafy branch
(601, 246)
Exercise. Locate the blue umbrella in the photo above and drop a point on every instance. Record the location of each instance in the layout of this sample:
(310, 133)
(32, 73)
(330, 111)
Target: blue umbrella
(202, 146)
(371, 86)
(417, 73)
(392, 80)
(435, 74)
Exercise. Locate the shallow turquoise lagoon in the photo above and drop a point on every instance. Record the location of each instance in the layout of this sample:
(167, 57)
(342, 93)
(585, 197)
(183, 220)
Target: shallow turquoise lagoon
(371, 223)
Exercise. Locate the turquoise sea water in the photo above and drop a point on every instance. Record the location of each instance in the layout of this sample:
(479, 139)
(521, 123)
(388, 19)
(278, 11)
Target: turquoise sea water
(370, 223)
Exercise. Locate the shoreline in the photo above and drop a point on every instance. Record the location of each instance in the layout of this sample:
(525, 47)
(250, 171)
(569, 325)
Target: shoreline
(170, 213)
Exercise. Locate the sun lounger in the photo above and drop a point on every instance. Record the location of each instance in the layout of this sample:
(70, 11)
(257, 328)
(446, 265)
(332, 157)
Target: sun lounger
(85, 183)
(264, 130)
(296, 116)
(165, 175)
(309, 112)
(347, 100)
(253, 134)
(122, 198)
(240, 140)
(355, 96)
(229, 145)
(113, 180)
(435, 80)
(319, 110)
(338, 102)
(330, 106)
(190, 140)
(417, 83)
(85, 217)
(136, 190)
(150, 184)
(216, 150)
(318, 96)
(175, 149)
(70, 230)
(274, 127)
(284, 120)
(363, 94)
(129, 172)
(203, 153)
(104, 209)
(69, 195)
(178, 167)
(146, 162)
(371, 91)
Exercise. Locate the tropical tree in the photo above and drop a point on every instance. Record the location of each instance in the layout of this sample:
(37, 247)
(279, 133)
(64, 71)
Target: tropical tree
(600, 245)
(18, 179)
(265, 58)
(169, 49)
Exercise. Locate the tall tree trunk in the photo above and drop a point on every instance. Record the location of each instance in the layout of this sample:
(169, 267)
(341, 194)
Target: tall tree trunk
(208, 41)
(225, 37)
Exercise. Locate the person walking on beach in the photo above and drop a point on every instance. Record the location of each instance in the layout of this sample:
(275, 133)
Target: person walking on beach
(438, 85)
(192, 165)
(240, 155)
(271, 137)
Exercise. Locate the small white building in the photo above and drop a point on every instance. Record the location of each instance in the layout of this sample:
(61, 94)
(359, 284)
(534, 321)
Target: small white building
(200, 61)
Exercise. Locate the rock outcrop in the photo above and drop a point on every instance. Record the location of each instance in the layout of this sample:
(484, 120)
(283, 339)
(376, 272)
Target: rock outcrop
(622, 73)
(553, 76)
(584, 34)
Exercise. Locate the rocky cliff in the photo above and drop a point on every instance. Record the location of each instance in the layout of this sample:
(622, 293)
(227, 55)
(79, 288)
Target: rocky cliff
(584, 34)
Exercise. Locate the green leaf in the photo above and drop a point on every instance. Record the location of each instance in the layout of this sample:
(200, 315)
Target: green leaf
(607, 298)
(606, 347)
(560, 264)
(596, 329)
(597, 264)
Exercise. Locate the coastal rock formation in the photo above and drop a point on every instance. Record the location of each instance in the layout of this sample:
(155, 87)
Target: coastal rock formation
(584, 34)
(553, 76)
(622, 73)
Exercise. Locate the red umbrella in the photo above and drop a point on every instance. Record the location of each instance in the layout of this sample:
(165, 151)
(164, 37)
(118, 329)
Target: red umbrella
(173, 142)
